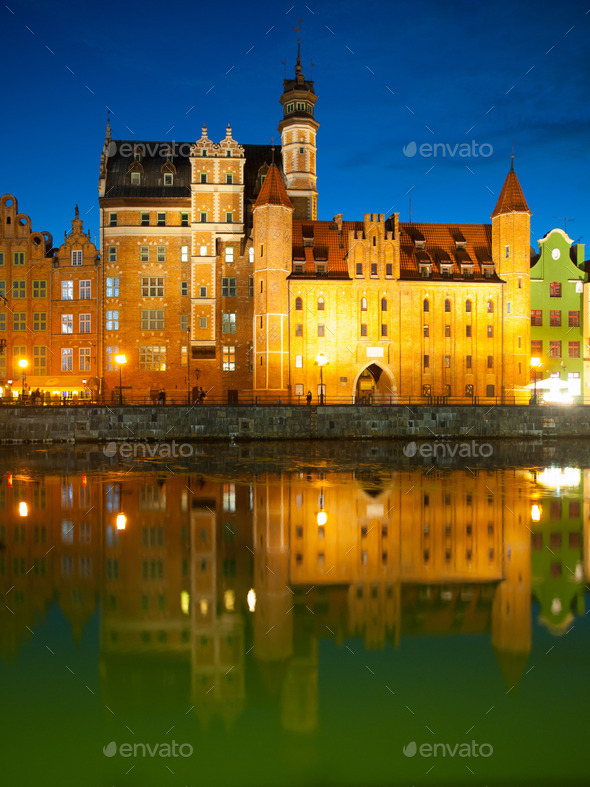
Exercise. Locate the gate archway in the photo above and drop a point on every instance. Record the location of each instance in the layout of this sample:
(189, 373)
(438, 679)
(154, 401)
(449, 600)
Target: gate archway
(375, 384)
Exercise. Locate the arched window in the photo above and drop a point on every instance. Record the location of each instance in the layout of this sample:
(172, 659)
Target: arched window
(426, 305)
(363, 304)
(447, 305)
(383, 304)
(321, 304)
(467, 306)
(298, 304)
(490, 306)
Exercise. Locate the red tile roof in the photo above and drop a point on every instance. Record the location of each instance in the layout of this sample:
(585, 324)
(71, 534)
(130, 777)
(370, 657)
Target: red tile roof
(456, 243)
(273, 191)
(321, 241)
(511, 198)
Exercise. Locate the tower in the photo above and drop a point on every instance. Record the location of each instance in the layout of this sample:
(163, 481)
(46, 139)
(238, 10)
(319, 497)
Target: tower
(512, 258)
(298, 130)
(273, 220)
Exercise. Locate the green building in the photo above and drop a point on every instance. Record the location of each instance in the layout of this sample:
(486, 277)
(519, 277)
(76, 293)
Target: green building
(559, 335)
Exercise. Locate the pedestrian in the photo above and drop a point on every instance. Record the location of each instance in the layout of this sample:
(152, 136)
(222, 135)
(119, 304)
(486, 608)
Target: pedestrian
(161, 396)
(202, 396)
(308, 397)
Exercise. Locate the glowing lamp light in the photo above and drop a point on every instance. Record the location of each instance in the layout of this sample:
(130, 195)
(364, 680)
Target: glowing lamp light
(251, 599)
(322, 518)
(121, 521)
(536, 513)
(535, 361)
(23, 509)
(23, 363)
(120, 359)
(185, 602)
(321, 360)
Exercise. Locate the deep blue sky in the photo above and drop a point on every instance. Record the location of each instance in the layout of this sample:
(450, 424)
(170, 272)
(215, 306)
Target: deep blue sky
(386, 74)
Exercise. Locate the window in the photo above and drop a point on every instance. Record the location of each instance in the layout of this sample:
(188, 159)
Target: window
(112, 287)
(555, 349)
(383, 304)
(359, 269)
(19, 288)
(447, 305)
(321, 330)
(573, 319)
(17, 354)
(144, 253)
(202, 323)
(112, 254)
(152, 358)
(112, 320)
(389, 269)
(426, 305)
(426, 331)
(299, 362)
(2, 324)
(507, 252)
(229, 359)
(299, 329)
(202, 292)
(536, 317)
(67, 290)
(18, 258)
(161, 257)
(152, 287)
(85, 290)
(229, 253)
(490, 361)
(67, 323)
(363, 304)
(152, 319)
(184, 287)
(111, 353)
(1, 258)
(573, 349)
(228, 287)
(228, 323)
(184, 322)
(363, 329)
(168, 178)
(203, 217)
(490, 307)
(136, 178)
(229, 178)
(40, 360)
(85, 323)
(39, 288)
(113, 220)
(321, 304)
(555, 289)
(84, 359)
(145, 219)
(67, 360)
(161, 222)
(447, 361)
(77, 257)
(373, 267)
(490, 390)
(250, 286)
(427, 361)
(229, 217)
(555, 318)
(490, 331)
(19, 321)
(298, 304)
(184, 219)
(536, 347)
(383, 329)
(203, 177)
(468, 306)
(468, 362)
(203, 251)
(251, 254)
(39, 321)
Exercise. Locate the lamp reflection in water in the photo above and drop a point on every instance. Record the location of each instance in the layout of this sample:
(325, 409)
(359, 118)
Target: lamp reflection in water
(23, 363)
(321, 361)
(23, 509)
(536, 513)
(251, 599)
(121, 521)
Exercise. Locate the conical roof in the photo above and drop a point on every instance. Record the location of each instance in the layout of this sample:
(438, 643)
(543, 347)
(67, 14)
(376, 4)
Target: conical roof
(511, 199)
(273, 191)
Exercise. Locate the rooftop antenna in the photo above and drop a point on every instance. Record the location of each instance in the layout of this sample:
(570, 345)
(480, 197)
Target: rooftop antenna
(565, 220)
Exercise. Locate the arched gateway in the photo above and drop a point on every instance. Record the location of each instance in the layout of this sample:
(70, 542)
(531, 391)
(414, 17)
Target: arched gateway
(375, 384)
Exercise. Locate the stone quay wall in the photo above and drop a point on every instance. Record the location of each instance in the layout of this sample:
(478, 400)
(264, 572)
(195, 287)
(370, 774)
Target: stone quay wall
(100, 424)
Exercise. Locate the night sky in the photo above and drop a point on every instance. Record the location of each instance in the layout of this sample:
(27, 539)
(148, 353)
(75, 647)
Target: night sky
(386, 75)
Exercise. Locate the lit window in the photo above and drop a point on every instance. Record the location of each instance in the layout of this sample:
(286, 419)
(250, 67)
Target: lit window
(168, 179)
(229, 253)
(229, 365)
(202, 323)
(67, 360)
(136, 178)
(490, 307)
(152, 358)
(228, 323)
(363, 304)
(67, 323)
(321, 304)
(112, 321)
(112, 287)
(299, 362)
(184, 253)
(67, 290)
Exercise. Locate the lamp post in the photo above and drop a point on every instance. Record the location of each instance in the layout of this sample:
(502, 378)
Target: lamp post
(321, 361)
(121, 360)
(535, 363)
(23, 363)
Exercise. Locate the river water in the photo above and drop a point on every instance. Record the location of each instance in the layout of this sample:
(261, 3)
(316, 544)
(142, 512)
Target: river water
(320, 614)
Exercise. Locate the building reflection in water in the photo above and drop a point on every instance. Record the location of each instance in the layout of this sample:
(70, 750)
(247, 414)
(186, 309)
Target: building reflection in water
(205, 586)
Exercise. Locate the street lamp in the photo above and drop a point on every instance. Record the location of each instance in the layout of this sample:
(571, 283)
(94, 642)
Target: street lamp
(535, 363)
(321, 360)
(23, 363)
(120, 359)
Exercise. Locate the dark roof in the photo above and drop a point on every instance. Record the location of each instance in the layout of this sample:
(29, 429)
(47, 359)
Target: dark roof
(441, 247)
(153, 159)
(511, 199)
(327, 244)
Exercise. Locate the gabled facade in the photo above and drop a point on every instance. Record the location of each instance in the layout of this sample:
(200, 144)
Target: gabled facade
(559, 318)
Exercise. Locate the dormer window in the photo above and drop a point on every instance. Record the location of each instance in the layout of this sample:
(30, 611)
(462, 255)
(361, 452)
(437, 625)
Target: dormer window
(446, 271)
(168, 179)
(467, 271)
(488, 271)
(425, 270)
(298, 267)
(136, 178)
(320, 267)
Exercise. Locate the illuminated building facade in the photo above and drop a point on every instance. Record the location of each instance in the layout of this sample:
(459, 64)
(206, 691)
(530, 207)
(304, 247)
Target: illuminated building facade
(218, 273)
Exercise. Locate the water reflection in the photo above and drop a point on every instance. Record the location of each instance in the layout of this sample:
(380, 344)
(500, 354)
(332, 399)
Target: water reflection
(210, 590)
